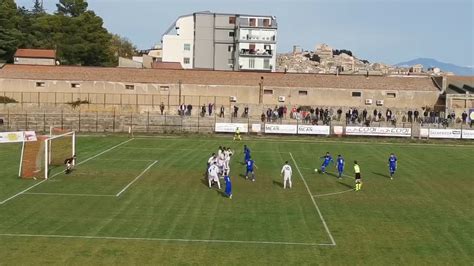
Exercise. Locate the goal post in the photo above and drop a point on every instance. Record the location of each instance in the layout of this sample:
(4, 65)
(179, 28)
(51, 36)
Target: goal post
(38, 157)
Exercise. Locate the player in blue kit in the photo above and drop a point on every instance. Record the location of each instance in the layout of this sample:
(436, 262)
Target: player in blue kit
(246, 153)
(340, 165)
(327, 160)
(250, 164)
(228, 186)
(392, 164)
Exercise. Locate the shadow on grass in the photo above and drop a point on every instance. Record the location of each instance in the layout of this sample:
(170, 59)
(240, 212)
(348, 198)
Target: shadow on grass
(382, 175)
(277, 183)
(346, 185)
(222, 193)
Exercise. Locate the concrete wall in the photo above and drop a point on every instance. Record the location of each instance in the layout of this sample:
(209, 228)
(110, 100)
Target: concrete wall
(204, 41)
(35, 61)
(115, 93)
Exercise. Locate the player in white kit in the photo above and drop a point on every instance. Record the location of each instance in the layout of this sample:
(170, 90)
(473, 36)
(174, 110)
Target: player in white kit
(213, 175)
(286, 171)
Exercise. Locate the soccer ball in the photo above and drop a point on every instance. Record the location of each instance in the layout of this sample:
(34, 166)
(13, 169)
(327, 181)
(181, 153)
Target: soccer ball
(316, 170)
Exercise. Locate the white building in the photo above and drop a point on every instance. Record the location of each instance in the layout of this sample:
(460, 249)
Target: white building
(218, 41)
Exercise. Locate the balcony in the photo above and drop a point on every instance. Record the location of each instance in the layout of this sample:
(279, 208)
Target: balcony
(250, 37)
(256, 53)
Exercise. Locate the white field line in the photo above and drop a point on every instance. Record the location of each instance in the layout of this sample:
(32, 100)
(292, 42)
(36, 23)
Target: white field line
(335, 193)
(314, 202)
(127, 160)
(136, 178)
(168, 239)
(42, 181)
(65, 194)
(184, 149)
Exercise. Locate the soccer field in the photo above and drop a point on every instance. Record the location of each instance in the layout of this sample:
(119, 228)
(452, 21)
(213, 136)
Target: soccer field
(144, 201)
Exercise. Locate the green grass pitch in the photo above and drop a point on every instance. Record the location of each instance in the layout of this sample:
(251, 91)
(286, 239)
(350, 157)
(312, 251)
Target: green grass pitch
(166, 214)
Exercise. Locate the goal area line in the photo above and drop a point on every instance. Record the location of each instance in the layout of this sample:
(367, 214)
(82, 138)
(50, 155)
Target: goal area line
(217, 241)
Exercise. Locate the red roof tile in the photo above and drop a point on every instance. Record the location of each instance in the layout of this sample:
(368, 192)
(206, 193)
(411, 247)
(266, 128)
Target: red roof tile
(36, 53)
(205, 77)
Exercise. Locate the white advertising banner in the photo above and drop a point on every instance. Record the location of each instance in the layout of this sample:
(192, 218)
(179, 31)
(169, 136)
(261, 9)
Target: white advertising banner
(313, 130)
(467, 134)
(281, 129)
(231, 127)
(257, 128)
(19, 136)
(379, 131)
(437, 133)
(424, 132)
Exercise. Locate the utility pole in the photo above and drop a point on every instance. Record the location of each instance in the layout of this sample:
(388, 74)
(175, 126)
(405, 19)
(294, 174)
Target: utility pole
(260, 96)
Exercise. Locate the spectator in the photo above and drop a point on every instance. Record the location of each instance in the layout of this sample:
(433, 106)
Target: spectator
(221, 114)
(203, 110)
(246, 111)
(262, 117)
(364, 115)
(236, 110)
(339, 113)
(162, 108)
(464, 117)
(375, 114)
(209, 108)
(388, 114)
(182, 109)
(380, 116)
(190, 109)
(269, 115)
(410, 118)
(416, 114)
(284, 111)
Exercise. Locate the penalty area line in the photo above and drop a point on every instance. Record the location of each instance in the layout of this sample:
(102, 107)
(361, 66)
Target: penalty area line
(314, 201)
(136, 178)
(66, 194)
(42, 181)
(334, 193)
(169, 239)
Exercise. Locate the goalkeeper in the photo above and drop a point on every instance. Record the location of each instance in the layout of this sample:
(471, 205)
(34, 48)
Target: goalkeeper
(237, 134)
(69, 162)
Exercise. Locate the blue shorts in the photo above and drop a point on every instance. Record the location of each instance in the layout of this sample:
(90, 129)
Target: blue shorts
(249, 171)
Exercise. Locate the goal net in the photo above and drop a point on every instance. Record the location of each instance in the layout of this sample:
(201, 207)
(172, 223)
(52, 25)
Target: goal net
(39, 157)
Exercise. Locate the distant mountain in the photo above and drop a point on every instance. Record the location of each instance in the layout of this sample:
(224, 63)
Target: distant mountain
(446, 67)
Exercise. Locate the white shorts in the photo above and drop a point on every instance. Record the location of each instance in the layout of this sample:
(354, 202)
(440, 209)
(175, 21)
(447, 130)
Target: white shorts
(286, 178)
(214, 178)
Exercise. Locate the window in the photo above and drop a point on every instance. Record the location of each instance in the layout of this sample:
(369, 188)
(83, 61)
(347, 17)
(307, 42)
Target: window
(129, 87)
(187, 47)
(252, 63)
(75, 85)
(391, 95)
(252, 22)
(164, 88)
(266, 23)
(230, 48)
(231, 34)
(186, 60)
(40, 84)
(266, 63)
(302, 93)
(231, 20)
(268, 92)
(356, 94)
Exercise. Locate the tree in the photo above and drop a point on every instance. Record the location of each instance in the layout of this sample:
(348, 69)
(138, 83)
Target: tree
(72, 8)
(38, 7)
(122, 47)
(9, 33)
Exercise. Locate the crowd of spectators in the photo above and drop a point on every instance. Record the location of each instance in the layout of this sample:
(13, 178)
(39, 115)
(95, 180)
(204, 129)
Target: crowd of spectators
(324, 115)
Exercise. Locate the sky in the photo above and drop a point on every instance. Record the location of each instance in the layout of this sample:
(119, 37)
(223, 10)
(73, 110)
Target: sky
(388, 31)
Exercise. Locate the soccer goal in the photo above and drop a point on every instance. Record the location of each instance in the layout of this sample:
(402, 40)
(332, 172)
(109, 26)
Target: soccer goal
(39, 157)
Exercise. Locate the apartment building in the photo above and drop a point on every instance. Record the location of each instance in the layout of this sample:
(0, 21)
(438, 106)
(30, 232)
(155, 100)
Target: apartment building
(218, 41)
